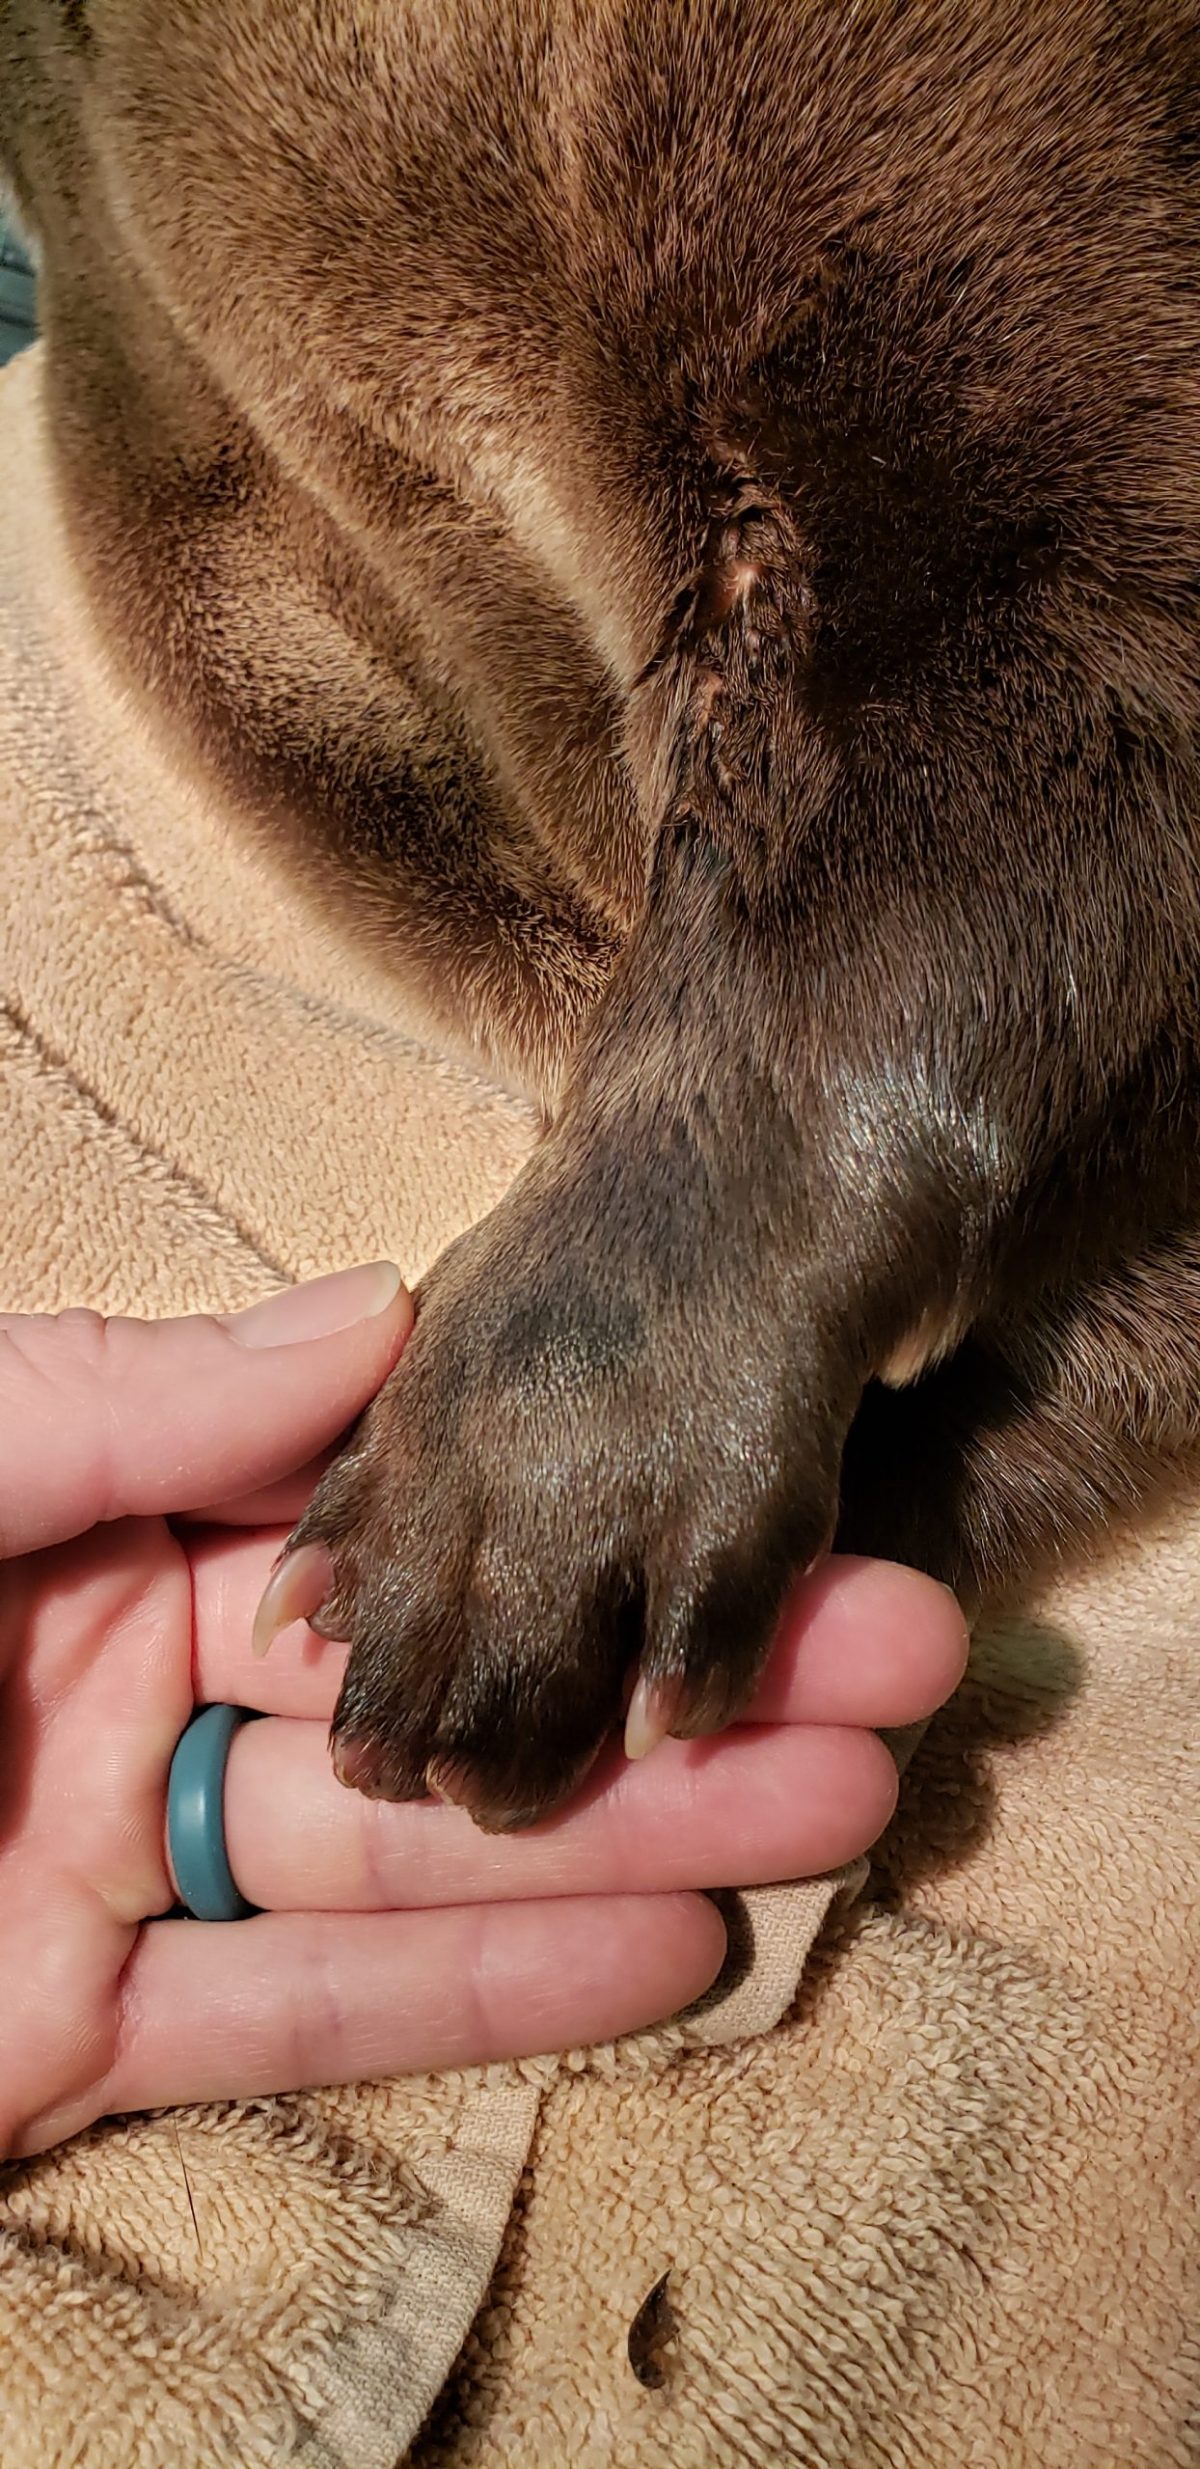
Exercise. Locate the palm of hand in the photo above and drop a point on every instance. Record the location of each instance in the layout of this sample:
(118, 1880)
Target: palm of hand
(387, 1938)
(95, 1691)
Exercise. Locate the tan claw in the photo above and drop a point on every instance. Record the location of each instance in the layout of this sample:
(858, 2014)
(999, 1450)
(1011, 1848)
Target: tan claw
(356, 1764)
(295, 1590)
(653, 1708)
(449, 1784)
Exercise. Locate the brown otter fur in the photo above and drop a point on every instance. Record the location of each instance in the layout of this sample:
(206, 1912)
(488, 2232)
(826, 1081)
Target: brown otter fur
(684, 515)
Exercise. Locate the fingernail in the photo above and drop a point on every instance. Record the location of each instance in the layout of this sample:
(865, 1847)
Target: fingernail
(319, 1309)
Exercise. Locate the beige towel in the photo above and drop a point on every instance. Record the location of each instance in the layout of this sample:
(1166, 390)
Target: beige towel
(925, 2199)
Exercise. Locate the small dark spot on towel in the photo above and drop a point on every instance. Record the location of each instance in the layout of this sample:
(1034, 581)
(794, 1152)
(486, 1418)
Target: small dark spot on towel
(653, 2335)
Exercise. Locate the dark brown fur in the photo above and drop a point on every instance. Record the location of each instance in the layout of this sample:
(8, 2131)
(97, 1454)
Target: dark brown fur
(686, 517)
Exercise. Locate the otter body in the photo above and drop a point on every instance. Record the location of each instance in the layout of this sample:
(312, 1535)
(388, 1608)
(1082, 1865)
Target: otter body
(684, 522)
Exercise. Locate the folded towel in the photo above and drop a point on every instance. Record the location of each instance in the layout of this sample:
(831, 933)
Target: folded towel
(918, 2191)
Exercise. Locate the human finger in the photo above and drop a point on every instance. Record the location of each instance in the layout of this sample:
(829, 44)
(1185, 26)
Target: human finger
(102, 1419)
(862, 1642)
(289, 2000)
(272, 1504)
(759, 1803)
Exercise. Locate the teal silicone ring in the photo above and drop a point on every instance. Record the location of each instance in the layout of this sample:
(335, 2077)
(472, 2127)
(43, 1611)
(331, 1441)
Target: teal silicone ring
(196, 1816)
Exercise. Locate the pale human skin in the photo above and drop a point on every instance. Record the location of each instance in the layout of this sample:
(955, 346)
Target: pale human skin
(389, 1938)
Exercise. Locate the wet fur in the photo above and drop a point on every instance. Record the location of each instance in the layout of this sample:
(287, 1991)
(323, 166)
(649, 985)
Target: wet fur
(684, 522)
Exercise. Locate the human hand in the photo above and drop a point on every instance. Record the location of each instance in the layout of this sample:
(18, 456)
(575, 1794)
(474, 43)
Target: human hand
(388, 1938)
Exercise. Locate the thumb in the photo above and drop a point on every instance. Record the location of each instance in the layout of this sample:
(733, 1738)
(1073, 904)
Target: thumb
(137, 1418)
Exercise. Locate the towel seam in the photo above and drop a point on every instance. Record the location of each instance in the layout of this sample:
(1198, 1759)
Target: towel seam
(50, 1059)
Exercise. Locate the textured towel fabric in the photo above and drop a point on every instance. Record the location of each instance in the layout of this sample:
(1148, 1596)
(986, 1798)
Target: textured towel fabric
(924, 2197)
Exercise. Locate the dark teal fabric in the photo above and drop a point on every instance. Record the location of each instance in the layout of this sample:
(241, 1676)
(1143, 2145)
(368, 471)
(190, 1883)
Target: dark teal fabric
(17, 321)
